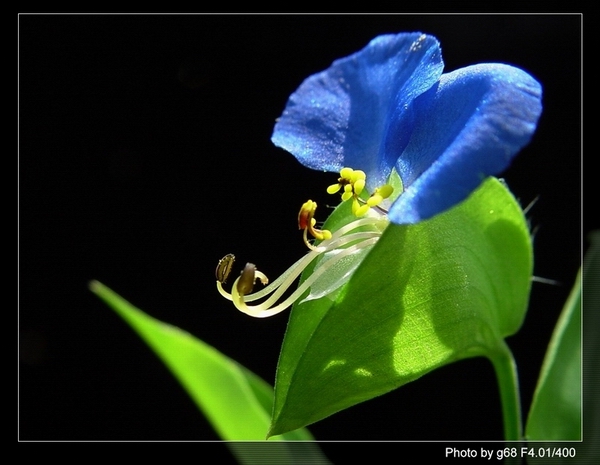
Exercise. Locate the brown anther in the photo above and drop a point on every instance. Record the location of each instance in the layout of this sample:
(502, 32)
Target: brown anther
(246, 281)
(224, 267)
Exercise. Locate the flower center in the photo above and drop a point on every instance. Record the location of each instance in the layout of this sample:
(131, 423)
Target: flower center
(332, 270)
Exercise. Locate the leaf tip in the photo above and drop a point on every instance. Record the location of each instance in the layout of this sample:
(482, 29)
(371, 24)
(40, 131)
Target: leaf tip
(94, 286)
(98, 288)
(274, 430)
(277, 428)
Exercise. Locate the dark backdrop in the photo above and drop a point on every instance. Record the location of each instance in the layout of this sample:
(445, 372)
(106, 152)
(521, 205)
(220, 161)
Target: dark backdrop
(145, 156)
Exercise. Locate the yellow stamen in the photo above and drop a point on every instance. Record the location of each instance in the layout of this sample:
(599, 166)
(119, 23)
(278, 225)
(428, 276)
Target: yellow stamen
(307, 222)
(336, 247)
(353, 183)
(334, 188)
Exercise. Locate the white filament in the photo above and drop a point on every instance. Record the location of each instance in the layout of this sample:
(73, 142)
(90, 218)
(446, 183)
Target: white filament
(277, 288)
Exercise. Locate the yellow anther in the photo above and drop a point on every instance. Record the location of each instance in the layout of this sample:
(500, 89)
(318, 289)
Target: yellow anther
(307, 211)
(358, 186)
(385, 191)
(319, 234)
(359, 209)
(357, 175)
(379, 195)
(346, 173)
(374, 200)
(307, 222)
(334, 188)
(348, 193)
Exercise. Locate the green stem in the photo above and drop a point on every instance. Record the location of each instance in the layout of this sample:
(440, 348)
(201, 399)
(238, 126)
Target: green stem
(508, 383)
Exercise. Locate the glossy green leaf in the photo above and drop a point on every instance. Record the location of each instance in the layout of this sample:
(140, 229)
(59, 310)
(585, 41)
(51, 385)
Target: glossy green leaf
(556, 408)
(236, 401)
(426, 295)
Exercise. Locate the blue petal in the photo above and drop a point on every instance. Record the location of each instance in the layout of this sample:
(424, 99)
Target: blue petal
(468, 127)
(339, 117)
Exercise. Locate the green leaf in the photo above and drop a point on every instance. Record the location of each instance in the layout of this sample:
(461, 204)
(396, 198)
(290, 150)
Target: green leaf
(556, 411)
(589, 451)
(556, 408)
(236, 401)
(425, 296)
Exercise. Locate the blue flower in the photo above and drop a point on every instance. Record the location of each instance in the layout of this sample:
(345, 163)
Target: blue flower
(389, 106)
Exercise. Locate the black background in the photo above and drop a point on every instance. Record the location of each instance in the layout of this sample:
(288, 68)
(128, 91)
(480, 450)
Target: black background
(145, 156)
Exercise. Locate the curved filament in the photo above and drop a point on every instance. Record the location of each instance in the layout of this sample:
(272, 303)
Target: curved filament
(265, 309)
(343, 241)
